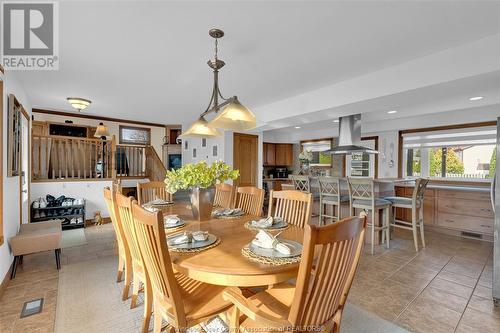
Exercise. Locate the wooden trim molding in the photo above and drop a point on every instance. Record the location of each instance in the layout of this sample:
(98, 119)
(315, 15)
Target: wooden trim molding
(88, 116)
(432, 129)
(5, 282)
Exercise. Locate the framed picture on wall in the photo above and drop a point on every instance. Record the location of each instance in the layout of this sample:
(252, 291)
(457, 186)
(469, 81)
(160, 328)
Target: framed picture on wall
(135, 135)
(13, 137)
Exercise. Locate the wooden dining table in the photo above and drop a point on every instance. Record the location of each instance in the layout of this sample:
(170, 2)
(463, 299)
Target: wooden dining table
(224, 264)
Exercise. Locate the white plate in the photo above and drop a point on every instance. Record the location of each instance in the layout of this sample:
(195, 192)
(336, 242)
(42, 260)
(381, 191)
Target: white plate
(278, 225)
(179, 223)
(272, 253)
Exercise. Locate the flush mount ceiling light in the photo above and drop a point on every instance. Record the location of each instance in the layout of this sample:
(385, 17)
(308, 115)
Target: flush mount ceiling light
(79, 103)
(297, 127)
(392, 111)
(230, 114)
(476, 98)
(336, 121)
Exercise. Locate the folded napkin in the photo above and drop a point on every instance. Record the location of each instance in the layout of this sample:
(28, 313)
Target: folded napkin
(189, 237)
(267, 241)
(157, 201)
(266, 222)
(171, 219)
(150, 209)
(228, 212)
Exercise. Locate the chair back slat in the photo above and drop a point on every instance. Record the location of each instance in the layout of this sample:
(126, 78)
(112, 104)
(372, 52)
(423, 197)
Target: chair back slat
(361, 188)
(115, 219)
(329, 186)
(152, 242)
(223, 195)
(419, 190)
(250, 199)
(301, 183)
(150, 191)
(124, 208)
(322, 291)
(294, 207)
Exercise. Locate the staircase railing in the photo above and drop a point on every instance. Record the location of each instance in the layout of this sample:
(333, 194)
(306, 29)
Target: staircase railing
(58, 158)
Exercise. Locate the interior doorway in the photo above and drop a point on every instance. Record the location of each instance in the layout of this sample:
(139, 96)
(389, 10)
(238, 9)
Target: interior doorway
(24, 174)
(245, 158)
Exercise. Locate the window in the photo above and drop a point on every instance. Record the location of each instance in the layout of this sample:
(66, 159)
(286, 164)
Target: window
(468, 153)
(316, 149)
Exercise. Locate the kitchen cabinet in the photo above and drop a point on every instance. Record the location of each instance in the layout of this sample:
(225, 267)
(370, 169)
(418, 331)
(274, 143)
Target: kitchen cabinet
(277, 154)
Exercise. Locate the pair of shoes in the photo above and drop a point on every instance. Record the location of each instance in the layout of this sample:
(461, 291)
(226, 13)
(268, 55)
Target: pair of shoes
(73, 221)
(80, 220)
(36, 215)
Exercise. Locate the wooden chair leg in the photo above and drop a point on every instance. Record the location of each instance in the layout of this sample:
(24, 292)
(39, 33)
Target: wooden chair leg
(158, 320)
(234, 320)
(121, 265)
(58, 258)
(128, 280)
(373, 231)
(414, 228)
(148, 306)
(387, 222)
(421, 224)
(135, 291)
(14, 267)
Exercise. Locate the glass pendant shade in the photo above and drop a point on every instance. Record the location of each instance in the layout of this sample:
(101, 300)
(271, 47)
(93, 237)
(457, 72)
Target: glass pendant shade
(234, 117)
(79, 103)
(200, 128)
(101, 131)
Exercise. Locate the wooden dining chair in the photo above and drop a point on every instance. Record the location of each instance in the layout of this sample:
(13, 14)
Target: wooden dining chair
(150, 191)
(250, 199)
(124, 256)
(140, 274)
(323, 282)
(223, 195)
(294, 207)
(180, 300)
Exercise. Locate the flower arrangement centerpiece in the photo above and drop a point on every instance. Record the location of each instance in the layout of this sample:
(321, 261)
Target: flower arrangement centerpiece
(200, 179)
(305, 158)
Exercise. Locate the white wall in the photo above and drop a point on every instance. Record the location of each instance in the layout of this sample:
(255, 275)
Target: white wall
(157, 133)
(11, 218)
(224, 150)
(91, 191)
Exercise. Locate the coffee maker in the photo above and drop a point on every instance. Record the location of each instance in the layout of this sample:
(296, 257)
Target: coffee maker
(281, 173)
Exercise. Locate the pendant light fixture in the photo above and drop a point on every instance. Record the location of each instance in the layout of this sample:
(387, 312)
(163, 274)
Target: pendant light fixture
(230, 113)
(79, 103)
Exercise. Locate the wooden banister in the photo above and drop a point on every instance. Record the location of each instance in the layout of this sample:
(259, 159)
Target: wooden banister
(62, 158)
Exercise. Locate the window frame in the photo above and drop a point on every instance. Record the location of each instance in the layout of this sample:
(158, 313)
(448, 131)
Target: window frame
(402, 159)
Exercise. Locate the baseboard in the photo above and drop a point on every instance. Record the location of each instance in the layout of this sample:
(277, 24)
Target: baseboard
(104, 221)
(5, 281)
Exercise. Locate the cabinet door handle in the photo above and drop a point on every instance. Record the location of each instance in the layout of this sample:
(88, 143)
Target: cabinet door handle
(447, 220)
(485, 226)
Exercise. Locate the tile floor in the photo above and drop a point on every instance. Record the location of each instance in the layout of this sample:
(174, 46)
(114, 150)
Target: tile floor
(444, 288)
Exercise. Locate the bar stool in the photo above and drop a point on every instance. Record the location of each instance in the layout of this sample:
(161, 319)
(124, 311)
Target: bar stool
(301, 183)
(362, 196)
(329, 194)
(416, 204)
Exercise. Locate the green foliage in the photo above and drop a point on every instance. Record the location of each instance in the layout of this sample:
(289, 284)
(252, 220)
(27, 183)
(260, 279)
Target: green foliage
(493, 162)
(199, 175)
(325, 159)
(453, 163)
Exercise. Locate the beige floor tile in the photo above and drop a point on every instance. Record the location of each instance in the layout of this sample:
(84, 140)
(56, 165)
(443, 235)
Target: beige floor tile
(484, 305)
(451, 287)
(481, 321)
(437, 296)
(458, 278)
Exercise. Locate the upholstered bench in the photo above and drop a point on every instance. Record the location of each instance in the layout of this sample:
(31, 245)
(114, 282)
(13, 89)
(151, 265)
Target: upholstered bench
(36, 237)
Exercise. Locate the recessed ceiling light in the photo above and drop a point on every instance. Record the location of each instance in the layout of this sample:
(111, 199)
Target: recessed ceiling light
(297, 126)
(392, 111)
(336, 121)
(477, 98)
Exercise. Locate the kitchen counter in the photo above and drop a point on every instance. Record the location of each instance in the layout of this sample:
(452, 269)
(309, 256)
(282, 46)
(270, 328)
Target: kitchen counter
(454, 187)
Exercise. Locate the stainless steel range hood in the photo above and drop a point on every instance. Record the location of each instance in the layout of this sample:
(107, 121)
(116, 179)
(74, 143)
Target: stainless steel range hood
(350, 137)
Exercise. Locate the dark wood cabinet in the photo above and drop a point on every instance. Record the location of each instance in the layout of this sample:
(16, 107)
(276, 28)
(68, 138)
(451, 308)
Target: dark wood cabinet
(277, 154)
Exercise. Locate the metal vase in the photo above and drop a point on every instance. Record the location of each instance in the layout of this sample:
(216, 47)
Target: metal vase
(202, 200)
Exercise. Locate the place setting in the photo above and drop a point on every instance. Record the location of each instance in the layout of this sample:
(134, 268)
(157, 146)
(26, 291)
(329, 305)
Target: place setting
(173, 222)
(269, 223)
(192, 241)
(156, 204)
(228, 213)
(266, 248)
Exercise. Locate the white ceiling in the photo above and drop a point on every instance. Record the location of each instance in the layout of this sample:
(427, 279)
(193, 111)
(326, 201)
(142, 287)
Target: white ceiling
(147, 60)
